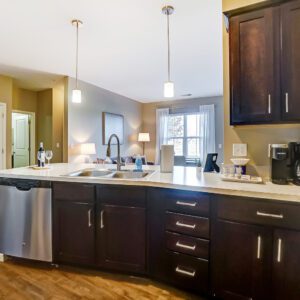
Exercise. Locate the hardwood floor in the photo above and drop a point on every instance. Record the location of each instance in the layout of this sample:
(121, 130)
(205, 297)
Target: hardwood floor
(22, 280)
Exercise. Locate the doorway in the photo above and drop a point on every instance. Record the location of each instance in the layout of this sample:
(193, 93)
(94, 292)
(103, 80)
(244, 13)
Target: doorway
(23, 139)
(2, 136)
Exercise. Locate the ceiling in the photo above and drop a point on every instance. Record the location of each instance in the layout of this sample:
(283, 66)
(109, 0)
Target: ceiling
(122, 46)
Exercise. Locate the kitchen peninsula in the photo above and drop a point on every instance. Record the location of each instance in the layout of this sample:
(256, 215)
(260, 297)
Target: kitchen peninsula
(186, 228)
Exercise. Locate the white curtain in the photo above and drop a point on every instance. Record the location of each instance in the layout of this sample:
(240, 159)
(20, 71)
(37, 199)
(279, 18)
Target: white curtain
(207, 131)
(162, 115)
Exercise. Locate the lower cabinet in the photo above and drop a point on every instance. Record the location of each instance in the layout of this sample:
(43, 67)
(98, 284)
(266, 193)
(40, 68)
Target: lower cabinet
(121, 238)
(74, 225)
(255, 261)
(121, 232)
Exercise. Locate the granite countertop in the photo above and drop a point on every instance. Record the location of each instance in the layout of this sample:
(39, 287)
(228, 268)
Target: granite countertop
(185, 178)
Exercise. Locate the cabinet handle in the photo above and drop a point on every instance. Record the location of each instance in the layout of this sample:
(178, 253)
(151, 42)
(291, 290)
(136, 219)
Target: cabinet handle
(187, 273)
(286, 102)
(262, 214)
(90, 218)
(269, 104)
(258, 247)
(186, 203)
(178, 244)
(279, 250)
(185, 225)
(101, 219)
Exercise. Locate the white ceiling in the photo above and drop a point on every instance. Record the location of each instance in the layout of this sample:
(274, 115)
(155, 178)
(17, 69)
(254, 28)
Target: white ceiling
(122, 43)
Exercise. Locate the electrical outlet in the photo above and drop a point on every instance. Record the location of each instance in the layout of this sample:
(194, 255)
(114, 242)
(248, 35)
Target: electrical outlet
(239, 150)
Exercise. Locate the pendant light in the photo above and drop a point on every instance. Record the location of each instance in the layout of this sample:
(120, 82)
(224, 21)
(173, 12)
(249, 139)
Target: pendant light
(76, 93)
(169, 85)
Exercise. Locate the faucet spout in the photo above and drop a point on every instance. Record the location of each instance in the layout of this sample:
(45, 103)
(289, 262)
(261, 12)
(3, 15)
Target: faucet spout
(108, 151)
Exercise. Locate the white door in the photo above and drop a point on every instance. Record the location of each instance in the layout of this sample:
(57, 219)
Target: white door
(20, 139)
(2, 136)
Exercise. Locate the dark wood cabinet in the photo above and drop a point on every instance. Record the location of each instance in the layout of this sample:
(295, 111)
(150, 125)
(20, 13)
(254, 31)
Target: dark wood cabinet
(290, 60)
(265, 63)
(121, 234)
(255, 249)
(254, 66)
(74, 224)
(286, 264)
(242, 262)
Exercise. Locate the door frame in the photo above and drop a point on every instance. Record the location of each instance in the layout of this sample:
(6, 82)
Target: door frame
(32, 136)
(3, 153)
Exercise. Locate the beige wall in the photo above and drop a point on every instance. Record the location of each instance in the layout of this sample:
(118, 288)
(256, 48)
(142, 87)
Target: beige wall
(24, 100)
(257, 137)
(149, 120)
(6, 95)
(58, 120)
(44, 118)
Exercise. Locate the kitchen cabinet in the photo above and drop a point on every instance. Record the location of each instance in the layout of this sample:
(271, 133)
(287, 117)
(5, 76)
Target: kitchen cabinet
(121, 234)
(290, 61)
(74, 223)
(242, 261)
(254, 66)
(255, 251)
(265, 63)
(179, 239)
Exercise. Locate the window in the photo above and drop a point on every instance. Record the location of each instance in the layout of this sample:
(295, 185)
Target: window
(184, 133)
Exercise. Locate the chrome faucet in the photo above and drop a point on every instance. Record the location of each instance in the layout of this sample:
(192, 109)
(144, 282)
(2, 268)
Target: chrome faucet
(108, 151)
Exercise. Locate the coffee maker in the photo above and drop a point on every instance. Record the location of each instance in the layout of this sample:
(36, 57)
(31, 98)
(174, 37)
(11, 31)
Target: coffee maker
(281, 163)
(294, 149)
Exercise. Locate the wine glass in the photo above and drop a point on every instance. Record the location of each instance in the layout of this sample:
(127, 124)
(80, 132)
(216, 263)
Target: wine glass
(49, 155)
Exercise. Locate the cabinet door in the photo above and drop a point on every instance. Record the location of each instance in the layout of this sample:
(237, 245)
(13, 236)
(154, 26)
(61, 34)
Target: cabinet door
(122, 238)
(286, 280)
(254, 67)
(290, 13)
(242, 259)
(74, 232)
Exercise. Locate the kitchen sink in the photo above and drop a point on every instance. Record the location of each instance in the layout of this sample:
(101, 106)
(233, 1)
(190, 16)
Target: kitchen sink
(125, 174)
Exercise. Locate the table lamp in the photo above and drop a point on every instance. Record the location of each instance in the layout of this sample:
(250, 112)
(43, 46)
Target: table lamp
(144, 137)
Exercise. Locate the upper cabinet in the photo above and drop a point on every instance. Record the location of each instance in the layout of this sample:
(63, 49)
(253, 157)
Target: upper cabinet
(265, 64)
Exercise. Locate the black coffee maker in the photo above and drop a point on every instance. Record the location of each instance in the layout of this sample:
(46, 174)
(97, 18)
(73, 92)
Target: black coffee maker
(294, 149)
(280, 163)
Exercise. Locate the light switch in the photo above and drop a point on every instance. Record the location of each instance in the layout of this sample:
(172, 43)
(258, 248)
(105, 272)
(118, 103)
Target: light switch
(220, 146)
(57, 145)
(239, 150)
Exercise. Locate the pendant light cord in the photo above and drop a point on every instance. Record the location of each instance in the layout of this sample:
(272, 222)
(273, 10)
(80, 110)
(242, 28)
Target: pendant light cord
(169, 51)
(77, 37)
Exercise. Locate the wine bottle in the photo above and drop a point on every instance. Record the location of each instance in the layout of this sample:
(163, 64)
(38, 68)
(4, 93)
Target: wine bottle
(41, 156)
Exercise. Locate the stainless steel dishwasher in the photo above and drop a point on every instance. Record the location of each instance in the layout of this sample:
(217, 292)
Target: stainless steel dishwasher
(26, 219)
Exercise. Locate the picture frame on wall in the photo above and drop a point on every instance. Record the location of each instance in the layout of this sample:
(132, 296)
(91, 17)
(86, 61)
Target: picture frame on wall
(112, 124)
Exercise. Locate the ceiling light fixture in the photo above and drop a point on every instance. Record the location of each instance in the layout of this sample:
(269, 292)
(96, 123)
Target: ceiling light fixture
(76, 93)
(169, 85)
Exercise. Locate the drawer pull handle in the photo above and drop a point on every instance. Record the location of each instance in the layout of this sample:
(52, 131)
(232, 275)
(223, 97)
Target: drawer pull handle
(187, 273)
(259, 247)
(279, 249)
(89, 218)
(262, 214)
(178, 244)
(186, 203)
(185, 225)
(101, 219)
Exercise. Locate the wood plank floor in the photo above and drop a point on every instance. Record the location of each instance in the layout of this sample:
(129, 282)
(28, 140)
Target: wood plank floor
(19, 280)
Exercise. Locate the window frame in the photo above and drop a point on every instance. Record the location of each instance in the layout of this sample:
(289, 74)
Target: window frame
(185, 138)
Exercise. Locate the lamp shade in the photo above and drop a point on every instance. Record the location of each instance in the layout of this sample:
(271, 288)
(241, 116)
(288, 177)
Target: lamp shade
(144, 137)
(87, 149)
(76, 96)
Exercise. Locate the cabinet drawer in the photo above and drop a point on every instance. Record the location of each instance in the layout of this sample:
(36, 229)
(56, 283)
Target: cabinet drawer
(76, 192)
(187, 272)
(188, 202)
(122, 195)
(187, 245)
(259, 212)
(190, 225)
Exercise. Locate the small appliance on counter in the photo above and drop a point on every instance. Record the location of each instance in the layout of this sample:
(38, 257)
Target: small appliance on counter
(167, 158)
(281, 162)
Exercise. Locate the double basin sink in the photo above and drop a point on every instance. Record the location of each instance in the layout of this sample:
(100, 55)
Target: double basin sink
(113, 174)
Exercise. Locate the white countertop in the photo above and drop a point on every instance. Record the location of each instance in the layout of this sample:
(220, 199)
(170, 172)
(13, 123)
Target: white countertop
(185, 178)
